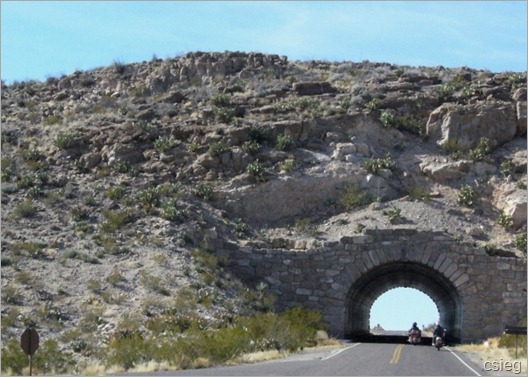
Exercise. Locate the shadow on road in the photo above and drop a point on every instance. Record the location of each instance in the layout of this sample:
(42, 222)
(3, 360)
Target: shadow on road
(395, 339)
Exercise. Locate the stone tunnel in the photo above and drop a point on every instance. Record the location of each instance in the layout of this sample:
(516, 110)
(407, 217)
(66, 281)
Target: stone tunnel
(476, 294)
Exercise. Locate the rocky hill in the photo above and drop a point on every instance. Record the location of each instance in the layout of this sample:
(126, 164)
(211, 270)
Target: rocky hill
(119, 183)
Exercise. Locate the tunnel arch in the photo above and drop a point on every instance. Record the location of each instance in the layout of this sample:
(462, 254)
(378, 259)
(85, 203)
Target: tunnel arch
(378, 280)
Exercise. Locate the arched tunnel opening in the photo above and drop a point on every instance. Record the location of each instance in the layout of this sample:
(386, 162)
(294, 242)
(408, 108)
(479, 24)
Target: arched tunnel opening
(372, 284)
(397, 308)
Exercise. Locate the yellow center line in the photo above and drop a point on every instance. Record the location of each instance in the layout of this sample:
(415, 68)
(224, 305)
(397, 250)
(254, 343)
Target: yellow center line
(396, 355)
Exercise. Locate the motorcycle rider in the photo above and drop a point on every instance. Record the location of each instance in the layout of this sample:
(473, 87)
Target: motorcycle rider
(414, 330)
(439, 331)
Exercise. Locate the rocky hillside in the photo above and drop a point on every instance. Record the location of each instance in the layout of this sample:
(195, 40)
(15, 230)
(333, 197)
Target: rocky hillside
(118, 183)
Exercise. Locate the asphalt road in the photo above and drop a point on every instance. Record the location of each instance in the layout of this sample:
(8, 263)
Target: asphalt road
(358, 359)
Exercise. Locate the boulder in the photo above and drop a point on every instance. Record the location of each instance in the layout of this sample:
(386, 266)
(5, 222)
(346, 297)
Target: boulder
(90, 160)
(125, 153)
(512, 201)
(467, 124)
(447, 171)
(313, 88)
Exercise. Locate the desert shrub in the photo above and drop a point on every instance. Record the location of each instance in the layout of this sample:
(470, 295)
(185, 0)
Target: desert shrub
(25, 182)
(520, 242)
(11, 295)
(119, 67)
(42, 177)
(204, 191)
(33, 192)
(206, 260)
(51, 120)
(444, 92)
(220, 100)
(419, 193)
(193, 147)
(306, 103)
(224, 114)
(14, 360)
(451, 146)
(124, 167)
(32, 248)
(66, 141)
(84, 227)
(467, 196)
(345, 104)
(171, 212)
(508, 340)
(283, 143)
(516, 80)
(305, 226)
(287, 165)
(26, 209)
(7, 169)
(109, 245)
(256, 170)
(163, 144)
(482, 149)
(155, 283)
(507, 167)
(505, 221)
(129, 350)
(283, 107)
(79, 213)
(394, 214)
(388, 120)
(6, 261)
(115, 192)
(218, 148)
(31, 154)
(374, 104)
(114, 220)
(251, 147)
(241, 228)
(411, 124)
(354, 198)
(150, 197)
(374, 165)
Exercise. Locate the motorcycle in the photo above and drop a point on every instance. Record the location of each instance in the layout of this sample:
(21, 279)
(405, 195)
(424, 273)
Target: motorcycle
(439, 342)
(415, 337)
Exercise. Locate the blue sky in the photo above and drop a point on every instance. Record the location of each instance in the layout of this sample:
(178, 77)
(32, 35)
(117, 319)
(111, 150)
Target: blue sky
(398, 308)
(42, 39)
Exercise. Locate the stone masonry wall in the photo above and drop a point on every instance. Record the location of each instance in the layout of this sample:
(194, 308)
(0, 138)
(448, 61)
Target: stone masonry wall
(491, 290)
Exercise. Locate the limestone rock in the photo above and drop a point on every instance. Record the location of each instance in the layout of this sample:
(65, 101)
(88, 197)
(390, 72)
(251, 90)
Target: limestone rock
(313, 88)
(447, 171)
(90, 160)
(513, 203)
(466, 125)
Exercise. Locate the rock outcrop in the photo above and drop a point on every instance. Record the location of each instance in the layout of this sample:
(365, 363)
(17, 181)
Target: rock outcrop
(466, 125)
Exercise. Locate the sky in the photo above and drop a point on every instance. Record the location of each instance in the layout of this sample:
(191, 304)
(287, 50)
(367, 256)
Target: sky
(42, 39)
(398, 308)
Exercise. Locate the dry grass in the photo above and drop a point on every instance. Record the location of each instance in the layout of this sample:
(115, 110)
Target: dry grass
(94, 370)
(490, 351)
(257, 357)
(151, 366)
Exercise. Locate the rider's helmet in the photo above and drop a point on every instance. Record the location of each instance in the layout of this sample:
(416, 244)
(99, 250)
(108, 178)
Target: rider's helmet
(414, 324)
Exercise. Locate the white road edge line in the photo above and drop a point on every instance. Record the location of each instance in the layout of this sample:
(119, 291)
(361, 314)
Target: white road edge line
(338, 352)
(463, 362)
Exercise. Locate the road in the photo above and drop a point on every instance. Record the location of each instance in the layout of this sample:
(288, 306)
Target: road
(357, 359)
